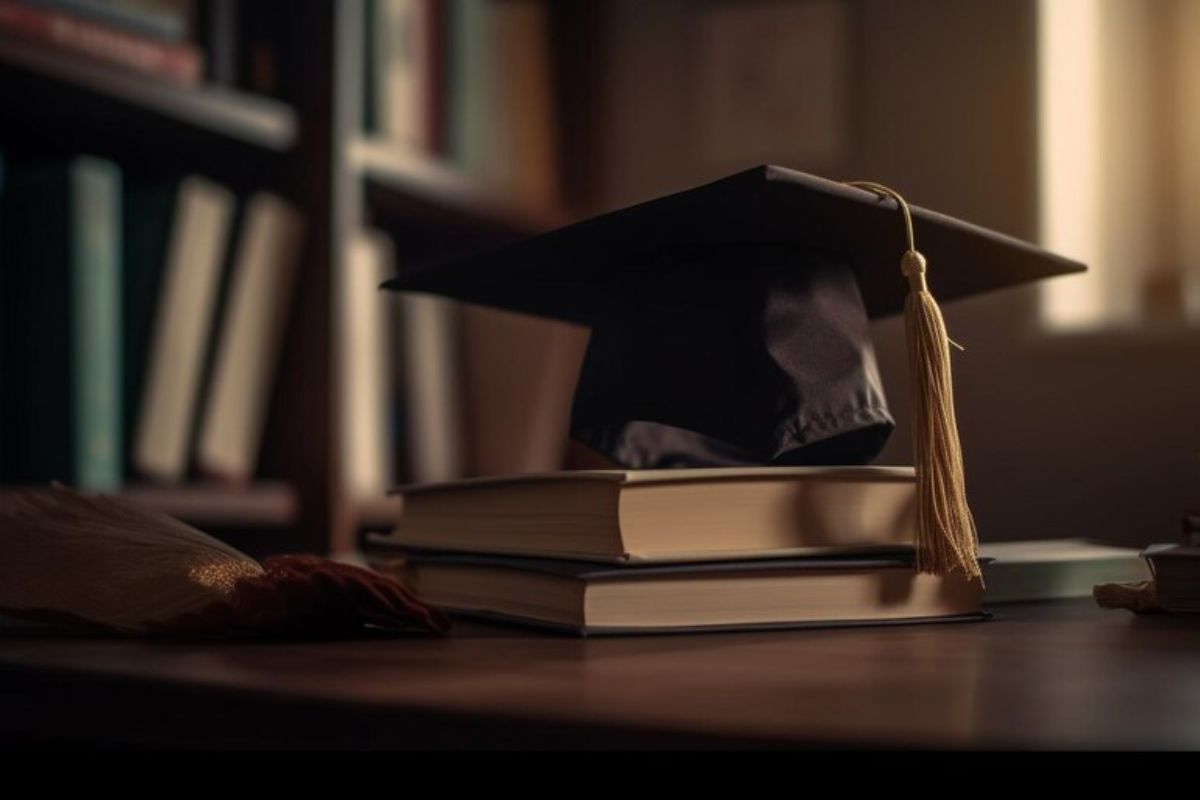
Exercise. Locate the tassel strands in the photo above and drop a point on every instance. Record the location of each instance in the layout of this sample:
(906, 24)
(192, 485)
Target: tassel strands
(946, 536)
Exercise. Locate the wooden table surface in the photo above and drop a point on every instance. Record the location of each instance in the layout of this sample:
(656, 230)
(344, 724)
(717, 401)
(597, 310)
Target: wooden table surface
(1037, 676)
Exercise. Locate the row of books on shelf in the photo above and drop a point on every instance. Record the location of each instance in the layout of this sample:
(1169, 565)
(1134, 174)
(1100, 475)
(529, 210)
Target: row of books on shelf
(435, 390)
(142, 321)
(472, 81)
(187, 42)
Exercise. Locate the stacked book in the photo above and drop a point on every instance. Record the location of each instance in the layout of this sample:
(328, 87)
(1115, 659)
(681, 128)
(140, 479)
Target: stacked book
(614, 551)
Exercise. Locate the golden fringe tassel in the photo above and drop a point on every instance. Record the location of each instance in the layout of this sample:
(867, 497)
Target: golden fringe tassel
(946, 535)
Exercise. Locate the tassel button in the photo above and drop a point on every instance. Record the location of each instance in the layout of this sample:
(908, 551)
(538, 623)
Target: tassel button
(913, 267)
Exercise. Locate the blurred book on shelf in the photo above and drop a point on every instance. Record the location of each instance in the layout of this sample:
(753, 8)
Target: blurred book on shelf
(471, 81)
(430, 396)
(365, 377)
(168, 20)
(406, 41)
(148, 208)
(128, 351)
(249, 339)
(471, 85)
(62, 377)
(477, 391)
(217, 32)
(186, 44)
(184, 319)
(130, 35)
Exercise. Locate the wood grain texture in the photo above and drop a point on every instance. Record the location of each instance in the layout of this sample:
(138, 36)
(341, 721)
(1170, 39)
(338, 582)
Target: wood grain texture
(1038, 676)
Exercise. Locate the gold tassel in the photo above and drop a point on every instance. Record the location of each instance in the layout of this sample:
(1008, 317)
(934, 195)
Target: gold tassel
(946, 535)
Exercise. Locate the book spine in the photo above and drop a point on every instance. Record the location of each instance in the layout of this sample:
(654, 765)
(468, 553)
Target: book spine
(366, 429)
(182, 327)
(403, 77)
(434, 413)
(96, 350)
(251, 338)
(180, 63)
(219, 28)
(468, 103)
(522, 155)
(435, 92)
(166, 21)
(148, 206)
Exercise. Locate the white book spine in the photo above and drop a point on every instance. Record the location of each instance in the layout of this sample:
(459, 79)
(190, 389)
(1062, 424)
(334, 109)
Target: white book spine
(251, 336)
(182, 328)
(365, 368)
(433, 391)
(403, 56)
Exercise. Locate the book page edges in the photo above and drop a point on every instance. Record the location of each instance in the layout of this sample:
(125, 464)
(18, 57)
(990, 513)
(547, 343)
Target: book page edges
(650, 476)
(393, 541)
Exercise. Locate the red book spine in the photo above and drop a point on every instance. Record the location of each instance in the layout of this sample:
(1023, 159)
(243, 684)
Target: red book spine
(435, 74)
(181, 63)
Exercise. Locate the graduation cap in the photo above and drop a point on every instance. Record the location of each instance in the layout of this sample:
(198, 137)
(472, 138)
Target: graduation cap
(730, 326)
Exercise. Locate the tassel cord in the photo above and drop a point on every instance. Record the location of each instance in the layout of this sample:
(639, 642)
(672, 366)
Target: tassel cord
(947, 539)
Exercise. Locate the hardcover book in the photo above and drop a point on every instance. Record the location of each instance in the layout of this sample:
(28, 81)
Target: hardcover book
(665, 515)
(593, 599)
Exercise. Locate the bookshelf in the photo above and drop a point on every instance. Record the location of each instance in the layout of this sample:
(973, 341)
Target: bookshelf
(312, 150)
(258, 121)
(427, 187)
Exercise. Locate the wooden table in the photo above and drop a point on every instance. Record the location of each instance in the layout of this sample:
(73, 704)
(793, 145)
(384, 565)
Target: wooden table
(1038, 676)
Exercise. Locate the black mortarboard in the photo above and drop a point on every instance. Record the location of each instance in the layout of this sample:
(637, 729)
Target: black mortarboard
(730, 321)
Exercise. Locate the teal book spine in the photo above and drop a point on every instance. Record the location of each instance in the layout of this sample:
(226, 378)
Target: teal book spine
(97, 376)
(371, 69)
(469, 57)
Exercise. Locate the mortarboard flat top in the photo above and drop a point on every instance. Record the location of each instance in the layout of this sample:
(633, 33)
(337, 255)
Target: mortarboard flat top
(730, 322)
(555, 274)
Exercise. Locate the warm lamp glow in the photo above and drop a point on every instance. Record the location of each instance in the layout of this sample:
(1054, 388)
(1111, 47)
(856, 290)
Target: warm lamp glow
(1068, 153)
